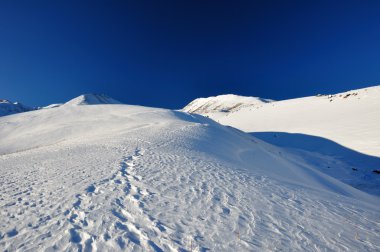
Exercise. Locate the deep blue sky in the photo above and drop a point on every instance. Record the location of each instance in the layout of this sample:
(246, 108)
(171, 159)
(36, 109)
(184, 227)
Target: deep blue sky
(166, 53)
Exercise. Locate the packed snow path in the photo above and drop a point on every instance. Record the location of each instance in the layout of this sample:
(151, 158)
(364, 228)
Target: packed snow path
(154, 180)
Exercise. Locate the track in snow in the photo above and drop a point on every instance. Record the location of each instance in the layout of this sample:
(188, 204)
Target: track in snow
(130, 227)
(182, 189)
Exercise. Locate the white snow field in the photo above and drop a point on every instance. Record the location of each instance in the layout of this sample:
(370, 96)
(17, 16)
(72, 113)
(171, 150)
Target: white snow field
(339, 134)
(115, 177)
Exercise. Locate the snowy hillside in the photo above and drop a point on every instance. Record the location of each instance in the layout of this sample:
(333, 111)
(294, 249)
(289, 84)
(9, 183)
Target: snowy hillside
(338, 133)
(129, 178)
(222, 105)
(9, 108)
(351, 118)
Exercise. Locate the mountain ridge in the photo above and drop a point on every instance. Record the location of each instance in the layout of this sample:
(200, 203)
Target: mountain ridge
(8, 108)
(300, 114)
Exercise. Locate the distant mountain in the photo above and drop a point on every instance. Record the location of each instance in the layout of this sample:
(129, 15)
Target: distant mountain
(8, 108)
(92, 99)
(221, 105)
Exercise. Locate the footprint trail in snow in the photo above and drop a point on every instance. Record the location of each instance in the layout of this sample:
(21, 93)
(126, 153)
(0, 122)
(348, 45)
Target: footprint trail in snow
(190, 185)
(128, 227)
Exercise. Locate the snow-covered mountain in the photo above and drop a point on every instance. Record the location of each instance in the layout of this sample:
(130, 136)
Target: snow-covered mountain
(117, 177)
(9, 108)
(338, 133)
(92, 99)
(223, 104)
(351, 118)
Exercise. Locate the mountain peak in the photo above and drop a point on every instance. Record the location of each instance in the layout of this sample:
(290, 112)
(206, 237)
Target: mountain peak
(92, 99)
(222, 103)
(7, 107)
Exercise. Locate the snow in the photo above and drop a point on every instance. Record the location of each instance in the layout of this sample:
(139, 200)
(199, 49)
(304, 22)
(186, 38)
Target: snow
(222, 104)
(117, 177)
(9, 108)
(54, 105)
(338, 133)
(92, 99)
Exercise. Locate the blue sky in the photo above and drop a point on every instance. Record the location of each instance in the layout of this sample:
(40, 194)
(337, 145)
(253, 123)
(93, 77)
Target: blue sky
(166, 53)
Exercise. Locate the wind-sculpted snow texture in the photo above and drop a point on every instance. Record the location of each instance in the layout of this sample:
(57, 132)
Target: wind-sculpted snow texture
(129, 178)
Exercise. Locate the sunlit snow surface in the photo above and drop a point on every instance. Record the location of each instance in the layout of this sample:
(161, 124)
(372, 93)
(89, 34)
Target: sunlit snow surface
(129, 178)
(339, 134)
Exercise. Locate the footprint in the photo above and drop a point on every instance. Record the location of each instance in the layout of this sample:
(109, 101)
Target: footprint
(89, 245)
(12, 232)
(118, 181)
(155, 247)
(226, 211)
(107, 236)
(91, 189)
(120, 216)
(160, 226)
(121, 226)
(133, 237)
(78, 202)
(74, 236)
(120, 241)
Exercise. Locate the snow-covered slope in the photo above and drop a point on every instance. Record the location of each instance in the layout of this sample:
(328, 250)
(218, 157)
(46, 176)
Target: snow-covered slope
(130, 178)
(9, 108)
(338, 133)
(351, 118)
(221, 105)
(92, 99)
